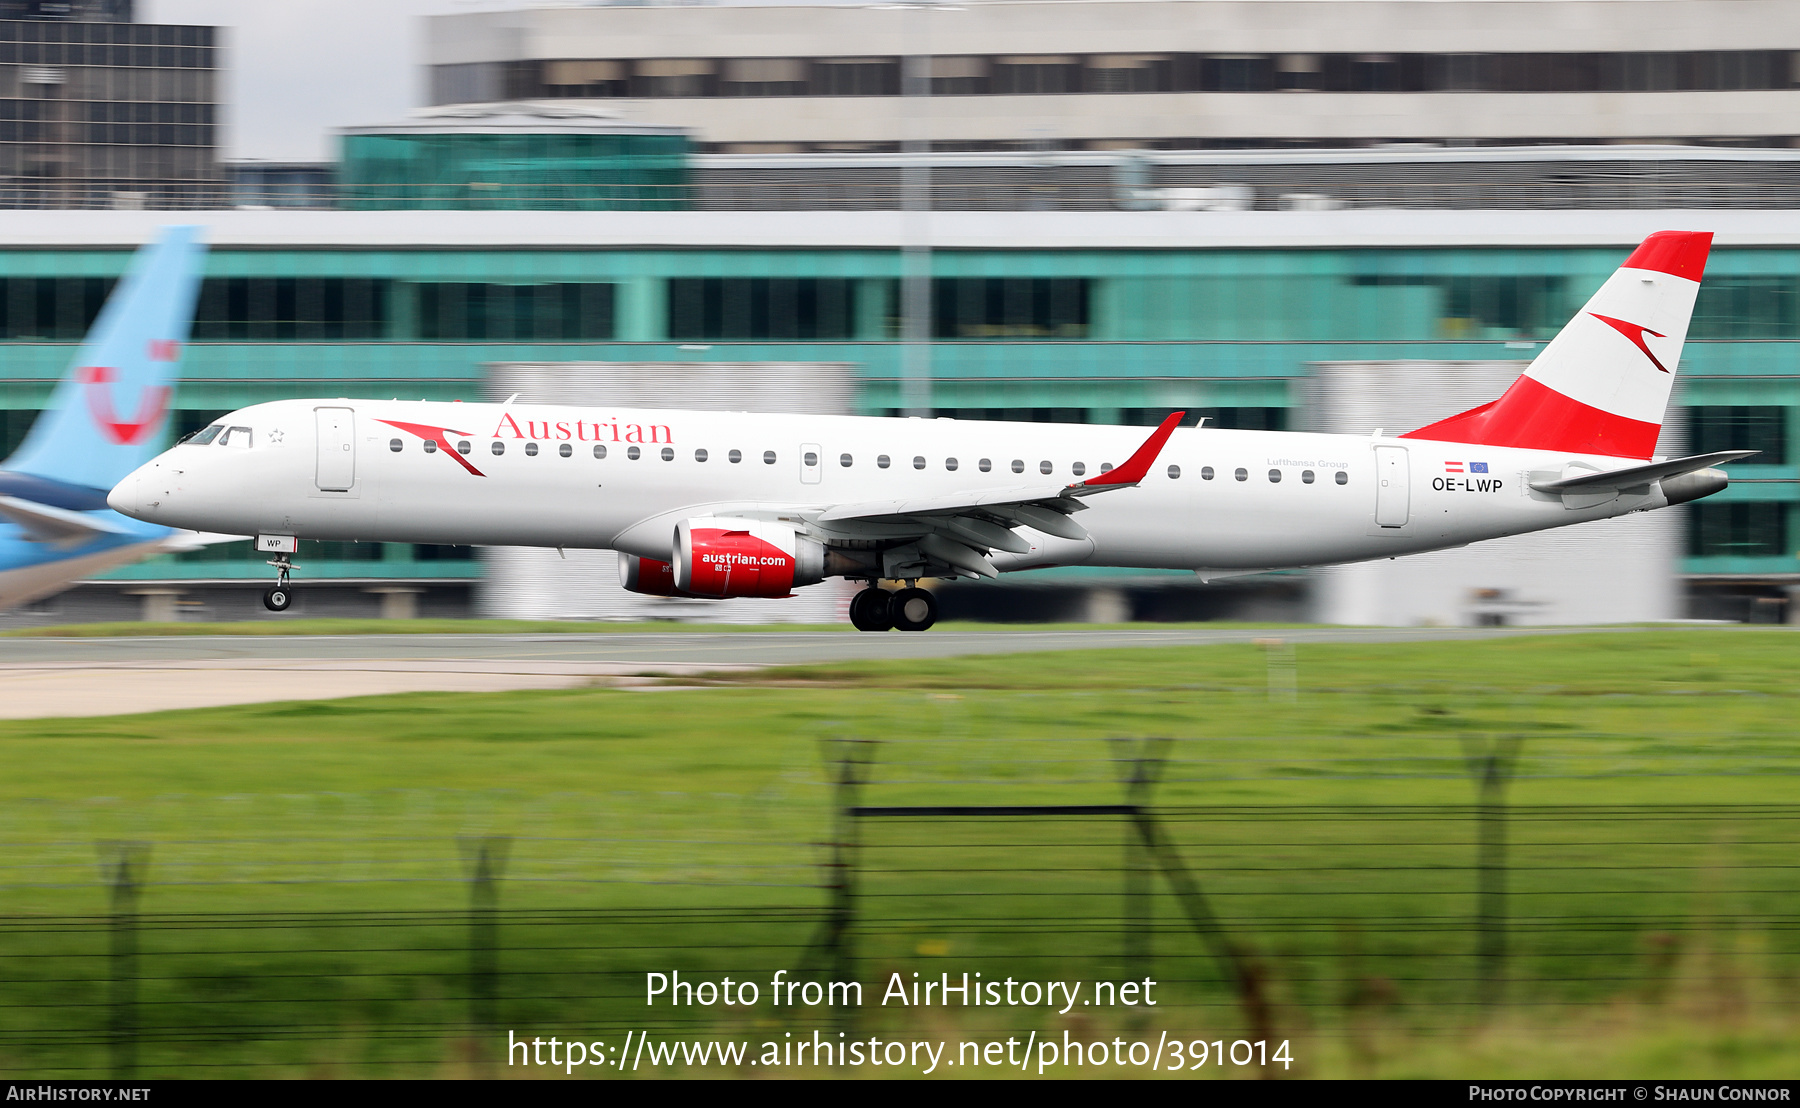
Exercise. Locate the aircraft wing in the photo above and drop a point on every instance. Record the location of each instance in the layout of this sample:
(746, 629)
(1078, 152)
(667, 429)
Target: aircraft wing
(60, 526)
(961, 529)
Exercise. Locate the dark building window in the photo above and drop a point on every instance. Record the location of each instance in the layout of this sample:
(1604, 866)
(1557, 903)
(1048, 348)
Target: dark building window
(760, 308)
(50, 308)
(1010, 307)
(1130, 73)
(1228, 419)
(856, 77)
(283, 308)
(1747, 308)
(1012, 76)
(1749, 530)
(1739, 427)
(431, 552)
(466, 312)
(1491, 307)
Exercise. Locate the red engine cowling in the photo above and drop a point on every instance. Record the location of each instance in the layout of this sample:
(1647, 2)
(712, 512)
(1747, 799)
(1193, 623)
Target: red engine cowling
(647, 576)
(720, 558)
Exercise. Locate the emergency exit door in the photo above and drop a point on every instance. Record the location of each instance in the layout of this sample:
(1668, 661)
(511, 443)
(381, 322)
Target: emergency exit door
(810, 463)
(1393, 498)
(337, 449)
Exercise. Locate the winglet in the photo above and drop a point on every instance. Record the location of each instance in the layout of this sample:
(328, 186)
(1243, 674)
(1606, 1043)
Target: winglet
(1136, 467)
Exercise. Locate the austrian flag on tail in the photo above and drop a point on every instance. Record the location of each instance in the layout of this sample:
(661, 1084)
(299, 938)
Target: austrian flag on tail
(1601, 385)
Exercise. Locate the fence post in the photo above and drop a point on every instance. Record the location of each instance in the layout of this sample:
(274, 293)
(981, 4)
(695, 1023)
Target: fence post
(1491, 764)
(848, 760)
(484, 860)
(1139, 770)
(122, 866)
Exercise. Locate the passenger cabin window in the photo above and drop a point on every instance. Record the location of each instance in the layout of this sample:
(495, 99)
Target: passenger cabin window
(431, 446)
(950, 464)
(396, 445)
(1241, 474)
(462, 447)
(668, 453)
(768, 457)
(238, 437)
(565, 450)
(205, 436)
(1306, 477)
(633, 453)
(1018, 465)
(1079, 469)
(700, 454)
(1206, 473)
(735, 457)
(498, 447)
(846, 460)
(985, 464)
(599, 451)
(1341, 477)
(1046, 467)
(1274, 477)
(1174, 473)
(810, 459)
(919, 462)
(882, 462)
(531, 449)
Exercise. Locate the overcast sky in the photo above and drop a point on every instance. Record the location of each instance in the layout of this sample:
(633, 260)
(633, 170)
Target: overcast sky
(295, 69)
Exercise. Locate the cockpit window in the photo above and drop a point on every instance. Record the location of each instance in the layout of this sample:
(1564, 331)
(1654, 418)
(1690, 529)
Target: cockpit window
(236, 436)
(204, 436)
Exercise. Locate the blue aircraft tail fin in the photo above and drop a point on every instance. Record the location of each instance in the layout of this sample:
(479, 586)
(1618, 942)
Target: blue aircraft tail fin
(107, 414)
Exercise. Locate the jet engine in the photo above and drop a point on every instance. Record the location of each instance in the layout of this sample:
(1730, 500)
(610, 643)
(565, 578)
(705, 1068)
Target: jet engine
(720, 557)
(647, 576)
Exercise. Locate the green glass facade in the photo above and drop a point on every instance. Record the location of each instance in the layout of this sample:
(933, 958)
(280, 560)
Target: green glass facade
(545, 172)
(1061, 335)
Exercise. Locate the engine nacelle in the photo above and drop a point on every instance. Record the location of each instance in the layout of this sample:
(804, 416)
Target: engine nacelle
(720, 558)
(647, 576)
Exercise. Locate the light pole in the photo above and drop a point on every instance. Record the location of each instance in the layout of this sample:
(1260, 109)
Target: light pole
(915, 203)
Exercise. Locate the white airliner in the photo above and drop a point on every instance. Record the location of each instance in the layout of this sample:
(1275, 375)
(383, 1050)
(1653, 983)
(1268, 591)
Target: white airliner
(710, 504)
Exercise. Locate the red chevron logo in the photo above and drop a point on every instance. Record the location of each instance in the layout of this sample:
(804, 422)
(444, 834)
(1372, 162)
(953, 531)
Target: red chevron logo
(439, 436)
(1635, 333)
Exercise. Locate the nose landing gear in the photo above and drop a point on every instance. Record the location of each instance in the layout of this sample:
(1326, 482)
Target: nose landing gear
(281, 596)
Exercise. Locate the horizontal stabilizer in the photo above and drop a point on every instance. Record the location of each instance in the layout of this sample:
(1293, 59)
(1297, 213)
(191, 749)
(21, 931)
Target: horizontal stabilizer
(1641, 475)
(61, 526)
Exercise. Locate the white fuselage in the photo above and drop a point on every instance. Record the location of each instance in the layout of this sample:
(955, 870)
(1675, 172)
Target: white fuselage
(314, 472)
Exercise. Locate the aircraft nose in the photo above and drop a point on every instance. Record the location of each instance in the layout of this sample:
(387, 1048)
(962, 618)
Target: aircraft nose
(127, 497)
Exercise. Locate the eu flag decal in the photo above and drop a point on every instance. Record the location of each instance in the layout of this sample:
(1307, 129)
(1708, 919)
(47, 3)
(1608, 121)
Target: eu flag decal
(1477, 467)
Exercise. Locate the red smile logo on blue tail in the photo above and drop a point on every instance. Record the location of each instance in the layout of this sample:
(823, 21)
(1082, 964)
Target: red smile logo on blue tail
(151, 405)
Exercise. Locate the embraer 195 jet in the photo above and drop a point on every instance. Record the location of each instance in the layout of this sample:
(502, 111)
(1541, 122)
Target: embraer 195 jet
(709, 504)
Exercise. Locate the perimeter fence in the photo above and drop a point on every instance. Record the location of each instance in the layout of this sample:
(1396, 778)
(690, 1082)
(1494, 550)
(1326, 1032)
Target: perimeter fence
(412, 933)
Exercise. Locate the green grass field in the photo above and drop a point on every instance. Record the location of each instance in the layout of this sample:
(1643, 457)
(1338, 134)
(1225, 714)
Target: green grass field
(302, 912)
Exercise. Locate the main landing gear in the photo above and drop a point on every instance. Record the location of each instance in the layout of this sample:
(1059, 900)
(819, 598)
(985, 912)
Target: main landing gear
(281, 596)
(909, 609)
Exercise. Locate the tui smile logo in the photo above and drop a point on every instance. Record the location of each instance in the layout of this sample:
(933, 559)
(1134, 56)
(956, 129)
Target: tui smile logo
(438, 436)
(1636, 334)
(152, 403)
